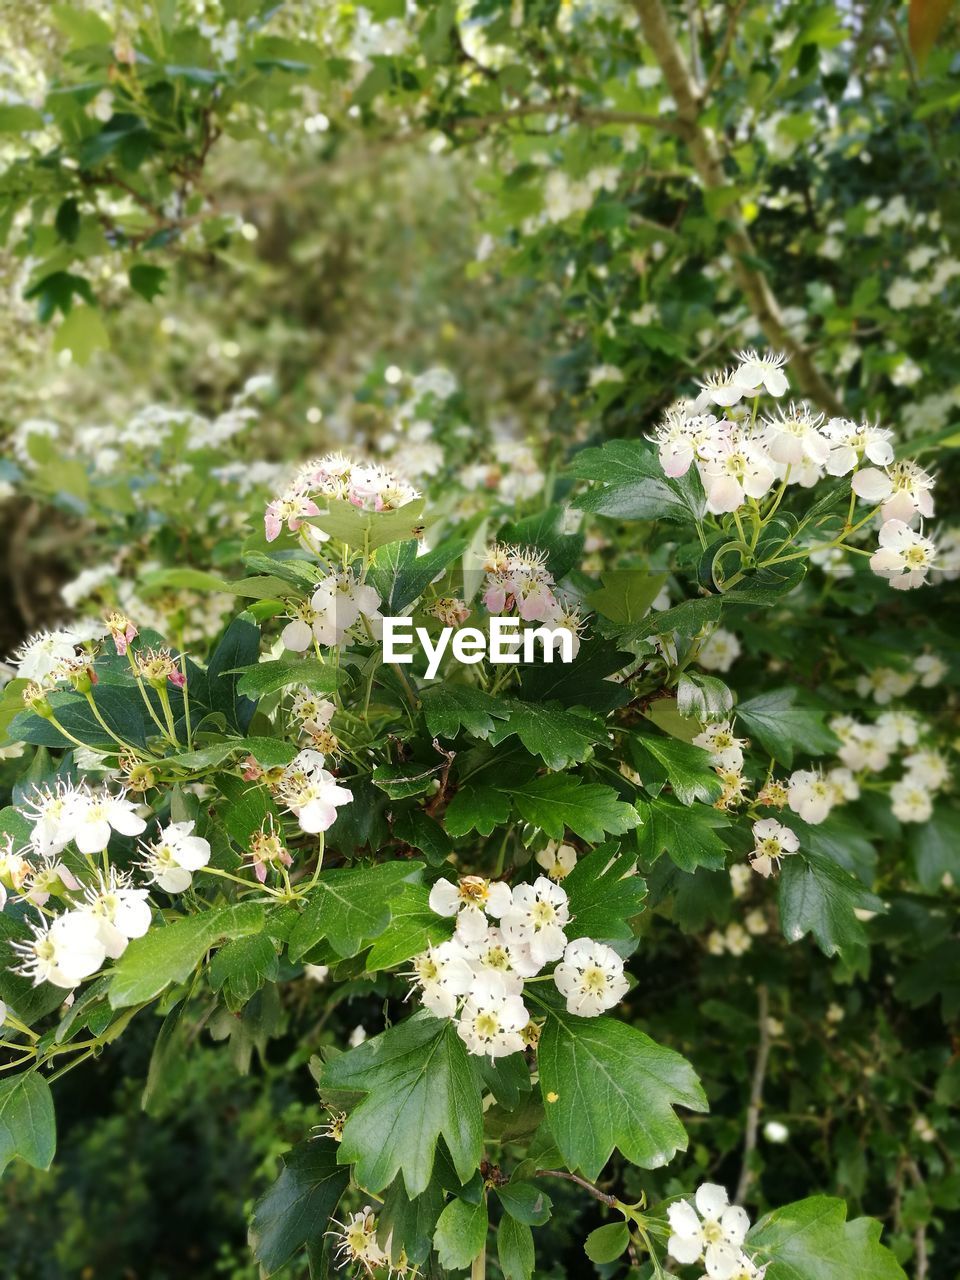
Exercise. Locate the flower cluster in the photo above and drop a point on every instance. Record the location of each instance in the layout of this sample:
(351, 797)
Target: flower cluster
(368, 486)
(337, 604)
(712, 1233)
(740, 457)
(485, 965)
(518, 578)
(311, 792)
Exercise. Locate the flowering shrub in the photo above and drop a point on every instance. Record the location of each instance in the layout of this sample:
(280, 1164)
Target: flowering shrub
(493, 841)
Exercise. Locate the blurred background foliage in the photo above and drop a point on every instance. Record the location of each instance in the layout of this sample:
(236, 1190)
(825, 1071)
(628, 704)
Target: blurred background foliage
(335, 199)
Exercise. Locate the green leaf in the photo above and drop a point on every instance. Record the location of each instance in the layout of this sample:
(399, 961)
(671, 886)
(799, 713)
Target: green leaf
(420, 831)
(559, 801)
(703, 697)
(238, 647)
(297, 1209)
(559, 737)
(687, 767)
(370, 529)
(266, 677)
(269, 752)
(350, 906)
(631, 484)
(399, 575)
(147, 280)
(81, 26)
(687, 835)
(935, 846)
(461, 1233)
(420, 1085)
(812, 1240)
(408, 1223)
(170, 953)
(249, 805)
(606, 1244)
(818, 897)
(626, 594)
(19, 118)
(401, 781)
(515, 1249)
(413, 927)
(27, 1123)
(614, 1087)
(605, 894)
(476, 809)
(241, 967)
(526, 1202)
(82, 333)
(783, 726)
(448, 708)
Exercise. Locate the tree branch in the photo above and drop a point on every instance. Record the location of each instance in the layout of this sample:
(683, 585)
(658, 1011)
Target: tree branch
(707, 160)
(756, 1093)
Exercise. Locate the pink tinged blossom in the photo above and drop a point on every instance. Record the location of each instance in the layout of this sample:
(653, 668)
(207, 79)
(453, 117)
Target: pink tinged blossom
(495, 599)
(178, 679)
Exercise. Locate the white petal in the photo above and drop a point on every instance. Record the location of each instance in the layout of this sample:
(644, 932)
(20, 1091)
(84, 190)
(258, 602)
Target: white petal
(711, 1200)
(444, 898)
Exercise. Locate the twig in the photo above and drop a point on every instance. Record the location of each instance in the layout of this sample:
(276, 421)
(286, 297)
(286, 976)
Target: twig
(756, 1093)
(581, 1182)
(720, 61)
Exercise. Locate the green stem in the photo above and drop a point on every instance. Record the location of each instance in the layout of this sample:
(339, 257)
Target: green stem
(145, 696)
(103, 724)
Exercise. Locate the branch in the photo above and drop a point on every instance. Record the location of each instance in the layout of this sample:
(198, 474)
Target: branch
(720, 61)
(597, 1194)
(706, 158)
(756, 1093)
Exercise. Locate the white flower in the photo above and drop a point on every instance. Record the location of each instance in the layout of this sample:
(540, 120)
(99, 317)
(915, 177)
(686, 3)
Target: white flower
(756, 372)
(866, 747)
(910, 801)
(844, 784)
(719, 651)
(720, 388)
(311, 792)
(536, 918)
(38, 657)
(725, 748)
(443, 974)
(591, 978)
(121, 912)
(356, 1239)
(50, 813)
(92, 816)
(904, 491)
(930, 668)
(471, 900)
(739, 878)
(338, 602)
(736, 940)
(774, 1131)
(898, 727)
(927, 769)
(558, 860)
(173, 857)
(810, 796)
(711, 1233)
(492, 1019)
(65, 953)
(512, 962)
(735, 468)
(885, 684)
(904, 556)
(850, 443)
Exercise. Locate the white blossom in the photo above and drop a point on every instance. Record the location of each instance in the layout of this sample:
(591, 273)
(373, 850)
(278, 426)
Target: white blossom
(492, 1019)
(772, 841)
(711, 1233)
(591, 978)
(535, 918)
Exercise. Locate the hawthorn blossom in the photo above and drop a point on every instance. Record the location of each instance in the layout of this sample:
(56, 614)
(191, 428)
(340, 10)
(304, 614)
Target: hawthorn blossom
(471, 900)
(931, 669)
(772, 841)
(904, 557)
(927, 768)
(91, 818)
(535, 919)
(338, 603)
(173, 857)
(311, 792)
(735, 468)
(726, 749)
(910, 801)
(810, 796)
(757, 372)
(719, 651)
(492, 1019)
(558, 860)
(157, 666)
(290, 509)
(794, 437)
(711, 1233)
(267, 850)
(849, 443)
(590, 977)
(122, 631)
(121, 912)
(903, 491)
(64, 952)
(356, 1241)
(37, 657)
(444, 974)
(720, 388)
